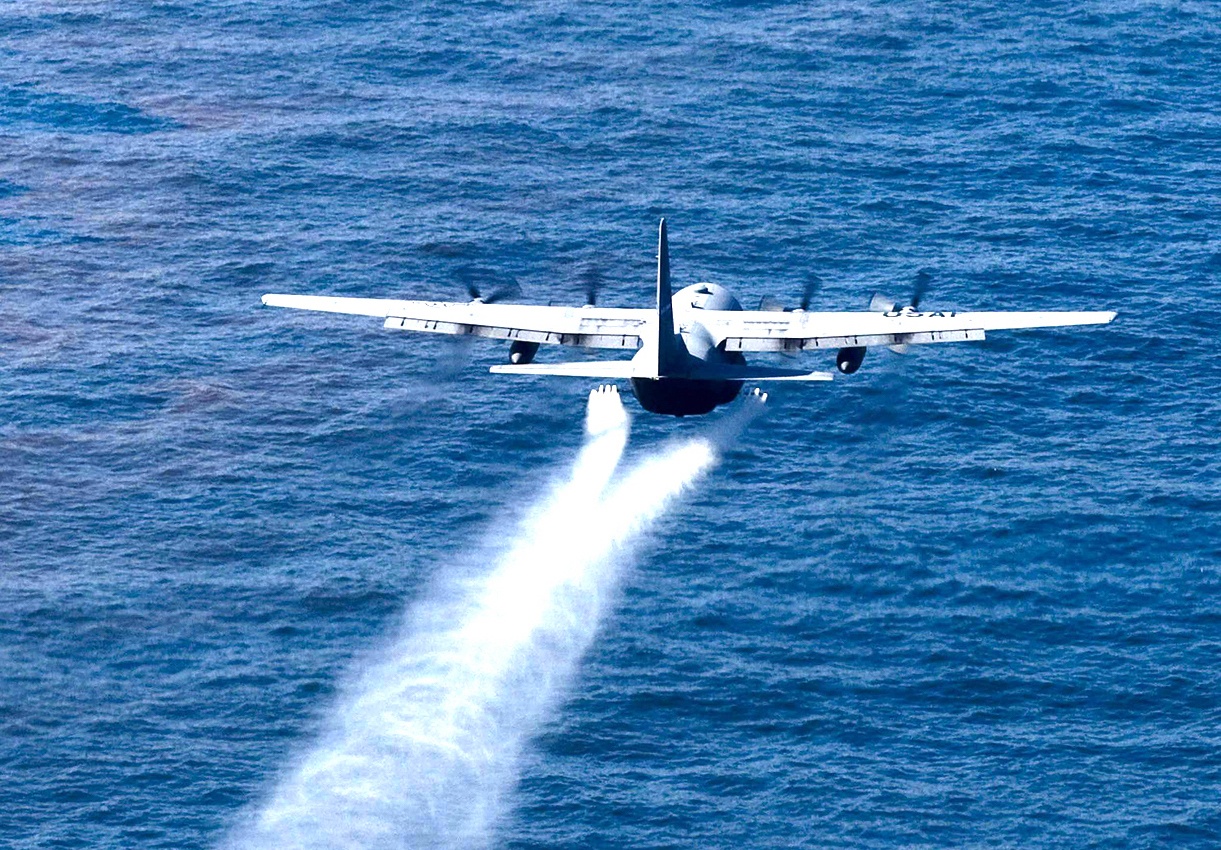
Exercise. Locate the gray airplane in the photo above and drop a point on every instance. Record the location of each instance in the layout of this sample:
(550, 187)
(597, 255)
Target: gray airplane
(689, 346)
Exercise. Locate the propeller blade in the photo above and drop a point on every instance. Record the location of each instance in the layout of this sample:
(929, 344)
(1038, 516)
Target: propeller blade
(772, 304)
(923, 280)
(813, 284)
(477, 282)
(471, 279)
(881, 304)
(591, 281)
(507, 290)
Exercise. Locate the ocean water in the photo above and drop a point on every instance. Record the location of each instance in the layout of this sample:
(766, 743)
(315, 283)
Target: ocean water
(965, 598)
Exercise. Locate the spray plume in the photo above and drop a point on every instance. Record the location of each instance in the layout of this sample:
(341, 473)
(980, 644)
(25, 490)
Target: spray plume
(425, 746)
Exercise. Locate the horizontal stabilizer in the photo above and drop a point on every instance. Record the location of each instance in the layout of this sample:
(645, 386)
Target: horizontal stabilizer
(630, 369)
(587, 369)
(731, 372)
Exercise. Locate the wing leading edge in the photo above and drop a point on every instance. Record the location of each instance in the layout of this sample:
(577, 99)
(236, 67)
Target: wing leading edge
(733, 330)
(588, 327)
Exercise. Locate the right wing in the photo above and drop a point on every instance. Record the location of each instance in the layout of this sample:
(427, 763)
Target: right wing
(755, 330)
(587, 327)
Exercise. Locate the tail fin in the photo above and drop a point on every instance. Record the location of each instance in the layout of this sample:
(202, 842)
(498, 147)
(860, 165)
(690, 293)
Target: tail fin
(669, 349)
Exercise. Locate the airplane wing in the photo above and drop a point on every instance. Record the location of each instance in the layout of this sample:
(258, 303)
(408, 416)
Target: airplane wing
(761, 330)
(588, 327)
(738, 330)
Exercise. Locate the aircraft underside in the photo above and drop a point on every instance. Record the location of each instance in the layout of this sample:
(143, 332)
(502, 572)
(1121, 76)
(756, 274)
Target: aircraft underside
(683, 397)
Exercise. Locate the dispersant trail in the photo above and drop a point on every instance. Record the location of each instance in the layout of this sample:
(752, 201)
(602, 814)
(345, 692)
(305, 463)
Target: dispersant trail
(425, 744)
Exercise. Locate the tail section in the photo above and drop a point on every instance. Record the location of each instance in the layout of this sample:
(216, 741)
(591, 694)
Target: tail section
(670, 350)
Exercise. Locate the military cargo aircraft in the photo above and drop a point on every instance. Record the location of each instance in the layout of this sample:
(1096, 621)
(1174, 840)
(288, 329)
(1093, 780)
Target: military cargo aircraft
(690, 345)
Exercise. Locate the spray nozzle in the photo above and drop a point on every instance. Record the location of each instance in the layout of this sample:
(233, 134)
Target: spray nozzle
(605, 412)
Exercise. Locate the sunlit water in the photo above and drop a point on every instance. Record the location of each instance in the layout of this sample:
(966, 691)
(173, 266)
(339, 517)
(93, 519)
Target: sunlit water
(423, 749)
(963, 598)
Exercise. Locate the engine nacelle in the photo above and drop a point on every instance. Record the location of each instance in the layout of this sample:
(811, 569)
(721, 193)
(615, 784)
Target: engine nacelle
(848, 360)
(521, 352)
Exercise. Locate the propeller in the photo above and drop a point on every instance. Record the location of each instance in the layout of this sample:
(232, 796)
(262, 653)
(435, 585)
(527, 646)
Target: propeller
(477, 281)
(486, 287)
(772, 304)
(813, 284)
(591, 281)
(880, 304)
(923, 280)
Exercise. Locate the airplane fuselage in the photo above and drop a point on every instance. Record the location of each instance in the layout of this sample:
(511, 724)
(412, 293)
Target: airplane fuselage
(683, 396)
(672, 394)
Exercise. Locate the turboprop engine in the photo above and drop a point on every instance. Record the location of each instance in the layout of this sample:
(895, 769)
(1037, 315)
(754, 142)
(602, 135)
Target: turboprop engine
(848, 360)
(522, 352)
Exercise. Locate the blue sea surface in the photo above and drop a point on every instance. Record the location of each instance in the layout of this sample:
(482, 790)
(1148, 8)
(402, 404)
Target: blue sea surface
(968, 597)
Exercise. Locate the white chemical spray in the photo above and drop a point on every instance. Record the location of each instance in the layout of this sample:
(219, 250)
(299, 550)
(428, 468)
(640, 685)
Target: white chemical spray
(426, 743)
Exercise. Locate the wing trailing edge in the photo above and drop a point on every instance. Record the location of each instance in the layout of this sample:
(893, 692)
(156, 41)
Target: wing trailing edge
(746, 372)
(580, 369)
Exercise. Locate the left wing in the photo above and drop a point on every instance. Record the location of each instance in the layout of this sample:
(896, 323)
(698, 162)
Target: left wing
(761, 330)
(588, 327)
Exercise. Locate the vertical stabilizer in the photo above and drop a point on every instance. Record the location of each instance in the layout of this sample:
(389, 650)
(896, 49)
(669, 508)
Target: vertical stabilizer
(669, 349)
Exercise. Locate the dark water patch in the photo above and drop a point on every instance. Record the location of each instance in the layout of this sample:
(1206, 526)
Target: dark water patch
(25, 105)
(9, 189)
(355, 602)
